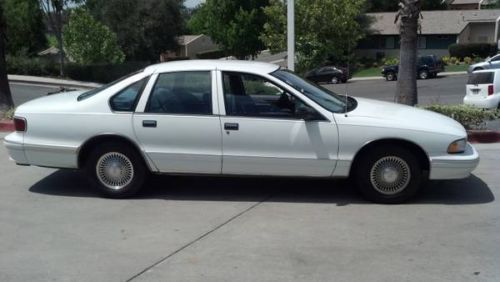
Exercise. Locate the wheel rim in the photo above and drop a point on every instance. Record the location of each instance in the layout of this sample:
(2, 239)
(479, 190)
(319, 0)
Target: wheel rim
(390, 175)
(390, 76)
(335, 80)
(423, 75)
(115, 170)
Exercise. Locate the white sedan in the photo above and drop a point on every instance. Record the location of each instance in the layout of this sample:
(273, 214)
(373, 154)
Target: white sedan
(237, 118)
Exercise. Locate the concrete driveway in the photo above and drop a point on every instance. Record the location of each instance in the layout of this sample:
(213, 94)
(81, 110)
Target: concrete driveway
(53, 227)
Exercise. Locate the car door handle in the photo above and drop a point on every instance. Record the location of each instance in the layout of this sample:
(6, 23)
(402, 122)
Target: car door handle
(149, 123)
(231, 126)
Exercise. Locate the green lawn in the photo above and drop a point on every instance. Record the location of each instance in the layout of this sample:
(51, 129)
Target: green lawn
(451, 68)
(368, 72)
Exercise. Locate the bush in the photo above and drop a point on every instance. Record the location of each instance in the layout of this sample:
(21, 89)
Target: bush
(31, 66)
(102, 73)
(454, 61)
(9, 114)
(390, 61)
(470, 117)
(446, 60)
(213, 54)
(468, 60)
(482, 50)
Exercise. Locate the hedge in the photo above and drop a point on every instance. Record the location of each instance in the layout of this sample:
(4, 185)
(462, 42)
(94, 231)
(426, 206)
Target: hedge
(470, 117)
(482, 50)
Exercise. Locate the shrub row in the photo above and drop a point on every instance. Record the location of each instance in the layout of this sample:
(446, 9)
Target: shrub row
(482, 50)
(470, 117)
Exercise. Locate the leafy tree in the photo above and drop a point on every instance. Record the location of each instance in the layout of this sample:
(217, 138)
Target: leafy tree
(88, 41)
(5, 96)
(408, 18)
(144, 29)
(233, 24)
(392, 5)
(325, 30)
(25, 26)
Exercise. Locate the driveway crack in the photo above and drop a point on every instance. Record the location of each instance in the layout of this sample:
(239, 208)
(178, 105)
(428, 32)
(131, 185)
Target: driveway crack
(197, 239)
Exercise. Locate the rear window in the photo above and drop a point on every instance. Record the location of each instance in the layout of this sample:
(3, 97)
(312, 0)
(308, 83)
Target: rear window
(481, 78)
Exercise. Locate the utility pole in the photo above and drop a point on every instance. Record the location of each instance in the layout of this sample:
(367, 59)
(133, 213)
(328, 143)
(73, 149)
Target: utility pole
(291, 34)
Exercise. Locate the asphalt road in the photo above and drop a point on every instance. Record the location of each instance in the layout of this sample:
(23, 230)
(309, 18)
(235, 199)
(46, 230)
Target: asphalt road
(53, 227)
(442, 90)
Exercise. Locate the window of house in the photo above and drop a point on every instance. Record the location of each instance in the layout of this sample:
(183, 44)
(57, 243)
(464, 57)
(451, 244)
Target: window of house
(182, 93)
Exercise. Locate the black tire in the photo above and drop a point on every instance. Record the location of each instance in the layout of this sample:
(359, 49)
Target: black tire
(369, 171)
(390, 76)
(423, 74)
(334, 80)
(132, 172)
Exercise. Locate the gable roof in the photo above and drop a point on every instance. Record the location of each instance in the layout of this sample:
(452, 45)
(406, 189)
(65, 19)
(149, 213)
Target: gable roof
(186, 39)
(435, 22)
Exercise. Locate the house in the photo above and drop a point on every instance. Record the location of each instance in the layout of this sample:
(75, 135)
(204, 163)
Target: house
(440, 29)
(190, 46)
(468, 4)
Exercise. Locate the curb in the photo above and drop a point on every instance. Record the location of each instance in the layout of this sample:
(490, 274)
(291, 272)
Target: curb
(474, 136)
(6, 126)
(51, 81)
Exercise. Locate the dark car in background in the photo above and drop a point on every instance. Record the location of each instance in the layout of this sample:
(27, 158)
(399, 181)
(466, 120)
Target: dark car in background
(328, 74)
(427, 67)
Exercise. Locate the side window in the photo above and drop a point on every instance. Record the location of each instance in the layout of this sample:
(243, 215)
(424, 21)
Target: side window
(126, 99)
(254, 96)
(182, 93)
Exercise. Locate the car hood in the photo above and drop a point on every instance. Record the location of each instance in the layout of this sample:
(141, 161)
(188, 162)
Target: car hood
(386, 114)
(61, 102)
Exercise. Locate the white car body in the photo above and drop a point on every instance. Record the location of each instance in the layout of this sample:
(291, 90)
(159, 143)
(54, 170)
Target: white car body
(59, 127)
(483, 89)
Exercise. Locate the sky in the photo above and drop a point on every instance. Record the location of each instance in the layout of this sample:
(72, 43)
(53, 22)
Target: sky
(192, 3)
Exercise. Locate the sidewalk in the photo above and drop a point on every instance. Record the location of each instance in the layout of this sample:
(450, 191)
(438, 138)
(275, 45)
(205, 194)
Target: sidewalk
(381, 77)
(51, 81)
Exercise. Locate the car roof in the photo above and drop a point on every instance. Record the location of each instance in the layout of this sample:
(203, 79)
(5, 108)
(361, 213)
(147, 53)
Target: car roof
(224, 65)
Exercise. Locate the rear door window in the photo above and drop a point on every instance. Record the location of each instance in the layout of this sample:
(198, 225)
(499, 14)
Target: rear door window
(481, 78)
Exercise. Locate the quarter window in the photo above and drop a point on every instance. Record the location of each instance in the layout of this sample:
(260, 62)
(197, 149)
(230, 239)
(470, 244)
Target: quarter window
(254, 96)
(126, 99)
(182, 93)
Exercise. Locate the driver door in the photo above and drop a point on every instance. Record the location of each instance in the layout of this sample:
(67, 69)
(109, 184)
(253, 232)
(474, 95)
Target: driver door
(264, 135)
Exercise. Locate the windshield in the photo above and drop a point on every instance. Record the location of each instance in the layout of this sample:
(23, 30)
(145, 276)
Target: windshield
(324, 97)
(94, 91)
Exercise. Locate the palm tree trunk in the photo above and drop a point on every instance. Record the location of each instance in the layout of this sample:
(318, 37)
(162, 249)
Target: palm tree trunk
(5, 96)
(406, 90)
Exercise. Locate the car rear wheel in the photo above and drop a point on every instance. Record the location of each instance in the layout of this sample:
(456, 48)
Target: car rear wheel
(334, 80)
(388, 175)
(423, 74)
(390, 76)
(116, 170)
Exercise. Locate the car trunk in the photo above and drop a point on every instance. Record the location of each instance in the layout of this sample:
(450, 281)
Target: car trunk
(481, 84)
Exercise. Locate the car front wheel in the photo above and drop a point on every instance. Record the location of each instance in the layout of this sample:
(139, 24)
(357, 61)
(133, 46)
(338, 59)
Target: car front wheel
(116, 170)
(334, 80)
(388, 175)
(423, 74)
(390, 76)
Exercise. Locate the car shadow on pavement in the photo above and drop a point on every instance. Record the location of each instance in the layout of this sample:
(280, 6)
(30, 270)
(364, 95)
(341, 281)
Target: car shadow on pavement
(252, 189)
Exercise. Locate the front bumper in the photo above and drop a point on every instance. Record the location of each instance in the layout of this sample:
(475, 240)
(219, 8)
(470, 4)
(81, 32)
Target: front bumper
(14, 144)
(454, 166)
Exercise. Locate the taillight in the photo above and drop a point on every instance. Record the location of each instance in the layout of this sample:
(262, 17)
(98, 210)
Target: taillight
(20, 124)
(491, 89)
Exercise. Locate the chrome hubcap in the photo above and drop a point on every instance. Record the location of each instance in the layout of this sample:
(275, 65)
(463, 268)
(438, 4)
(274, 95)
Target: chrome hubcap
(115, 170)
(390, 175)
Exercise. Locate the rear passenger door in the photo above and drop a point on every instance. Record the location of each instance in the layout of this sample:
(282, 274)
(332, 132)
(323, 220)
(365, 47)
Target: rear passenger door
(176, 123)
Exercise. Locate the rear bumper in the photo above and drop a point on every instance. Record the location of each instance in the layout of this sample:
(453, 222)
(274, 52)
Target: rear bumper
(14, 144)
(454, 166)
(490, 102)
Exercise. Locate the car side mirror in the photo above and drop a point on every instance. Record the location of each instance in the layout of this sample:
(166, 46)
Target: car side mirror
(307, 114)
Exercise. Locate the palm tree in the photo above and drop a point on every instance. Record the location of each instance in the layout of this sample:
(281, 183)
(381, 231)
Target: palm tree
(5, 96)
(408, 17)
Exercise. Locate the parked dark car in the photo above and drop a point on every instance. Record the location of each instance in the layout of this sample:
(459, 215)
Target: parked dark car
(427, 67)
(328, 74)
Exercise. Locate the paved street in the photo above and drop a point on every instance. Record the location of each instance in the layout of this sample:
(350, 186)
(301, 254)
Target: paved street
(443, 90)
(22, 93)
(53, 227)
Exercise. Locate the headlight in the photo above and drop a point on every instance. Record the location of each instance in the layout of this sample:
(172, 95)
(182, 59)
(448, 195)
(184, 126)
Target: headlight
(457, 146)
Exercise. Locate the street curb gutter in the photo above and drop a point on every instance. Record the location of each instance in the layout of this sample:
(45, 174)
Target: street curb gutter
(51, 81)
(474, 136)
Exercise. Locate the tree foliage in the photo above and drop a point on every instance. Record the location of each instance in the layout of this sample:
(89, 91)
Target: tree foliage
(25, 27)
(325, 30)
(5, 96)
(233, 24)
(144, 29)
(87, 41)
